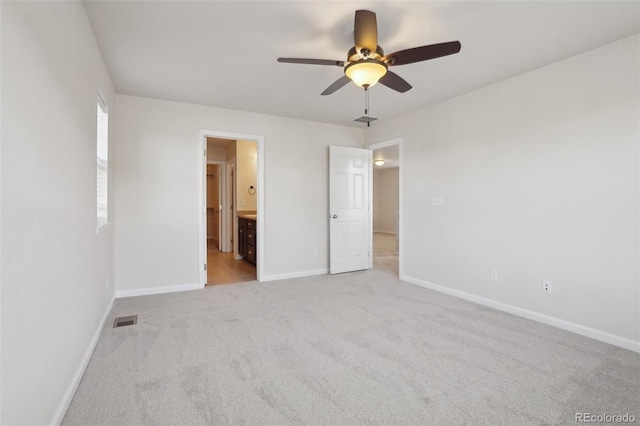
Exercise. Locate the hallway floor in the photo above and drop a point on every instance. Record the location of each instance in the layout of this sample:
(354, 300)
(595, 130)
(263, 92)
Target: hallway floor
(384, 253)
(222, 268)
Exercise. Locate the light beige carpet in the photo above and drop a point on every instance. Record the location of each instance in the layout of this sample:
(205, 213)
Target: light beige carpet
(353, 349)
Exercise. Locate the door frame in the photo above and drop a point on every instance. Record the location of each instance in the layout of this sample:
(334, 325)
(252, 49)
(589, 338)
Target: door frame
(373, 147)
(230, 206)
(202, 208)
(222, 193)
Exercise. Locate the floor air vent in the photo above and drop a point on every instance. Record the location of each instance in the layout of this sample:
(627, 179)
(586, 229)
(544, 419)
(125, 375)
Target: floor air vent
(122, 321)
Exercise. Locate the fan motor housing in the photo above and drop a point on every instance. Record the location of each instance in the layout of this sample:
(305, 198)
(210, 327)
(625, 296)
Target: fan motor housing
(354, 56)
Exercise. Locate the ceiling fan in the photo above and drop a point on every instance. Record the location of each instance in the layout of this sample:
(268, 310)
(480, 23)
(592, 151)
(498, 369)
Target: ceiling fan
(366, 62)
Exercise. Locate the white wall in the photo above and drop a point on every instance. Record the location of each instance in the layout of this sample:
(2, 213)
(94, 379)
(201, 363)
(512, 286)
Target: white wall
(386, 201)
(540, 180)
(54, 266)
(216, 152)
(157, 189)
(246, 175)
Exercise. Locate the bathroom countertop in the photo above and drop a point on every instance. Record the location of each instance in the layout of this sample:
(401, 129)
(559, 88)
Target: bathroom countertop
(247, 215)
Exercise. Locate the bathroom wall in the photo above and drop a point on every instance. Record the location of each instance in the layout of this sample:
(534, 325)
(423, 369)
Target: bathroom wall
(215, 152)
(246, 166)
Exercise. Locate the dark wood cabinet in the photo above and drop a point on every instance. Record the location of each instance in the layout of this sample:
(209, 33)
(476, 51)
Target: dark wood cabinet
(247, 239)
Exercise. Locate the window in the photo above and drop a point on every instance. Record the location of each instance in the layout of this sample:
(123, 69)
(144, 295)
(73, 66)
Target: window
(102, 164)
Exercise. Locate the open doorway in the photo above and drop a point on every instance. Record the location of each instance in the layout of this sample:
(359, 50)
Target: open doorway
(386, 202)
(230, 253)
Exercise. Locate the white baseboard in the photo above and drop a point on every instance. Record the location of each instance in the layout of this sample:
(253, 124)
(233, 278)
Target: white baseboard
(75, 382)
(158, 290)
(290, 275)
(582, 330)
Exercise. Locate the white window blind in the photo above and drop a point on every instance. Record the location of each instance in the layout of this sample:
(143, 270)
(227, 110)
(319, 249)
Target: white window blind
(102, 164)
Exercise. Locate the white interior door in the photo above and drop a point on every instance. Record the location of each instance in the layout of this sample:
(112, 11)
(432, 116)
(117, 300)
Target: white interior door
(349, 219)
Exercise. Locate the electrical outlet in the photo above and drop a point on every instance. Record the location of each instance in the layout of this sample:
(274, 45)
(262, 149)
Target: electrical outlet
(494, 275)
(547, 287)
(316, 252)
(437, 201)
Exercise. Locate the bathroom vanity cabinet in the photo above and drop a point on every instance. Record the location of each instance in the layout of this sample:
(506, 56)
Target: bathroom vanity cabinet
(247, 239)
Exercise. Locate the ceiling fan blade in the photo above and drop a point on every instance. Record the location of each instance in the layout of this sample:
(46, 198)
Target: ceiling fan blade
(311, 61)
(365, 31)
(336, 85)
(395, 82)
(422, 53)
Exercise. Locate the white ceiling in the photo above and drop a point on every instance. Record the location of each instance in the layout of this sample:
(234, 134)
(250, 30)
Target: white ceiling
(223, 53)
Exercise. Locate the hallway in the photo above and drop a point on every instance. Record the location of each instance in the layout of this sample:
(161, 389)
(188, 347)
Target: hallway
(222, 268)
(385, 256)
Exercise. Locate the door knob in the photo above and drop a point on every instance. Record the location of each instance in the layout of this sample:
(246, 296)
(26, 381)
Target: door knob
(335, 216)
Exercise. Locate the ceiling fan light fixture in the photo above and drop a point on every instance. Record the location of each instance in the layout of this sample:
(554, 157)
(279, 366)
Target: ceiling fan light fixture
(366, 72)
(378, 162)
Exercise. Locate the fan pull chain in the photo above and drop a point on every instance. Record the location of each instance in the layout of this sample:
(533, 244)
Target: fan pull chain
(366, 103)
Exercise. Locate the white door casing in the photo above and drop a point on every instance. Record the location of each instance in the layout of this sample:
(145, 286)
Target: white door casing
(349, 217)
(230, 206)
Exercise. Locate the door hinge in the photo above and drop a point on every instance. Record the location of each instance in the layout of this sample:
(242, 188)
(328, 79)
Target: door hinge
(205, 266)
(205, 152)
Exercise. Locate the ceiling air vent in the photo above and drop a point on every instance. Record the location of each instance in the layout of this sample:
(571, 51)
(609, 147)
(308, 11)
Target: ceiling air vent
(365, 119)
(122, 321)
